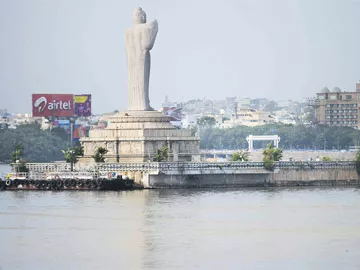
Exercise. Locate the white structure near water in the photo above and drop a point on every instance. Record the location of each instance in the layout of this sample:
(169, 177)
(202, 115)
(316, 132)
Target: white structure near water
(251, 138)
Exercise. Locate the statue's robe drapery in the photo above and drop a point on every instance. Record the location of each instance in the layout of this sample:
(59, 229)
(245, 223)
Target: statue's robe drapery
(139, 40)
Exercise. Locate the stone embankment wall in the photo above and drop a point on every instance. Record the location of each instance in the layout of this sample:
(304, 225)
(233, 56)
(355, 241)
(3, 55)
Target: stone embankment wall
(282, 178)
(342, 174)
(299, 174)
(346, 176)
(206, 180)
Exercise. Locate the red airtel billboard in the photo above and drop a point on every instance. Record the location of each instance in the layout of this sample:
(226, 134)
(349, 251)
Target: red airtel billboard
(52, 105)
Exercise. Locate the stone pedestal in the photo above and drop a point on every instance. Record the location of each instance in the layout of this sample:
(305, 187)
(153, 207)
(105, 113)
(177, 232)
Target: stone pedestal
(135, 136)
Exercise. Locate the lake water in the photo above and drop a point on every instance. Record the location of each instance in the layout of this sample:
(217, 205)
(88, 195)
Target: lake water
(181, 229)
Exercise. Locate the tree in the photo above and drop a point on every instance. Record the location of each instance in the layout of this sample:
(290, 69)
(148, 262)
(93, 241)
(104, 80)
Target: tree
(34, 141)
(17, 158)
(79, 150)
(71, 154)
(18, 153)
(161, 154)
(99, 155)
(206, 121)
(271, 155)
(292, 136)
(240, 156)
(309, 115)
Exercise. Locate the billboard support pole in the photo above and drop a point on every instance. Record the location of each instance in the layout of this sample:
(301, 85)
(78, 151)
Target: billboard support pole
(71, 133)
(72, 121)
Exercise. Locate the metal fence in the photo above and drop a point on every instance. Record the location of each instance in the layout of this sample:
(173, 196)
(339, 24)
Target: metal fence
(144, 166)
(186, 166)
(48, 167)
(315, 164)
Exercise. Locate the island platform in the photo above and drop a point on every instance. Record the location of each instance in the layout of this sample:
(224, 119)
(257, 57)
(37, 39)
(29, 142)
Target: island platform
(123, 176)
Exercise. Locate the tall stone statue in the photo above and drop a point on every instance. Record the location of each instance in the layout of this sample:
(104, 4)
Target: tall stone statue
(139, 40)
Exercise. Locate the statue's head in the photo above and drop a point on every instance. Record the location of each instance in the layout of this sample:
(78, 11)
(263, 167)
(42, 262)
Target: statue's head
(139, 16)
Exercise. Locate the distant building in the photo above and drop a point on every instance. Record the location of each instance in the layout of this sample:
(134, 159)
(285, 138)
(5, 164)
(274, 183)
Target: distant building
(169, 104)
(219, 120)
(175, 113)
(337, 108)
(244, 102)
(198, 106)
(249, 117)
(259, 103)
(229, 107)
(189, 120)
(285, 117)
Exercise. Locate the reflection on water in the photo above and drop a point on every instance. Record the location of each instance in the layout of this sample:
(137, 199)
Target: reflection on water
(270, 228)
(181, 229)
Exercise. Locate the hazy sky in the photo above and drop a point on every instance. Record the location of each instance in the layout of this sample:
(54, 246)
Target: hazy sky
(278, 49)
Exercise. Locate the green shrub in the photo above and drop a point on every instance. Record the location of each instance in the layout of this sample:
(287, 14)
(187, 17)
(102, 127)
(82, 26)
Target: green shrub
(240, 156)
(161, 154)
(271, 155)
(99, 155)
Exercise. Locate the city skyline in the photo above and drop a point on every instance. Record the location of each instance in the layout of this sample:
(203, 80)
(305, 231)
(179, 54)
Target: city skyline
(279, 50)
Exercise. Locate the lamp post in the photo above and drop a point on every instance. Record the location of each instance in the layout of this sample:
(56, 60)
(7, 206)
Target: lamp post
(72, 155)
(17, 166)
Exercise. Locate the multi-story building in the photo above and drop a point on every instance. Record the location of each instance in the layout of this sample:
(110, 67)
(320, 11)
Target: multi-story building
(249, 117)
(337, 108)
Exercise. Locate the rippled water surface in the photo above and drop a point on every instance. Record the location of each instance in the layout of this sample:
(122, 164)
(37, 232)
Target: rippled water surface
(181, 229)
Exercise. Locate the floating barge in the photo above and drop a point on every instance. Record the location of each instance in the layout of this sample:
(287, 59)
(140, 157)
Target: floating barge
(57, 181)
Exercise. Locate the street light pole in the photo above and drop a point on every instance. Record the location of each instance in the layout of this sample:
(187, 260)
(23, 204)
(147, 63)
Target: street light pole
(72, 154)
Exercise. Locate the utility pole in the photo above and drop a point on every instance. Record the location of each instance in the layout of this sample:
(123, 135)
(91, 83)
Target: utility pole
(72, 155)
(72, 121)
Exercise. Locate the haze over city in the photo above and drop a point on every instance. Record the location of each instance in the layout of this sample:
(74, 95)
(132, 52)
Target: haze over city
(205, 49)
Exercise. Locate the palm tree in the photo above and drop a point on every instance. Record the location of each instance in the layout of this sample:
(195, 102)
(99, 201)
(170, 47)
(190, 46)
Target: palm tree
(71, 154)
(17, 154)
(17, 158)
(240, 156)
(271, 155)
(99, 155)
(161, 154)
